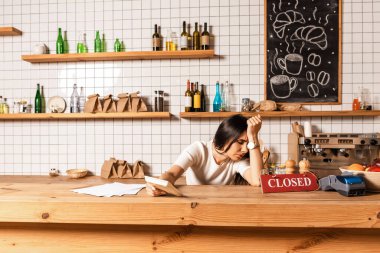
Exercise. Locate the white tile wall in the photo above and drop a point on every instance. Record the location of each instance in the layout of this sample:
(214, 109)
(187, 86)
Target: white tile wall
(33, 147)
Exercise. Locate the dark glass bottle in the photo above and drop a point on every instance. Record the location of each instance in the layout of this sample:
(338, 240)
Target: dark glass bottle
(205, 40)
(197, 99)
(203, 98)
(59, 45)
(196, 38)
(192, 96)
(38, 100)
(156, 39)
(184, 38)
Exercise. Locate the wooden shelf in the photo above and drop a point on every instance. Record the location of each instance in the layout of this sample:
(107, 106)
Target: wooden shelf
(83, 116)
(119, 56)
(277, 114)
(9, 31)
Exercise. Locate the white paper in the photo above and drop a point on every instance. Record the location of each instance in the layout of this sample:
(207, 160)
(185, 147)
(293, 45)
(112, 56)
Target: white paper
(111, 189)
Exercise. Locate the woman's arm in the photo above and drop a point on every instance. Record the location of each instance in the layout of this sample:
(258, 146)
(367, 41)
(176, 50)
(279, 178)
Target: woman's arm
(252, 175)
(171, 175)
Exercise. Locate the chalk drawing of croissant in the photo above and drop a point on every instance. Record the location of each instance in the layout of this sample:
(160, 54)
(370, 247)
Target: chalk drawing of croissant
(284, 19)
(312, 34)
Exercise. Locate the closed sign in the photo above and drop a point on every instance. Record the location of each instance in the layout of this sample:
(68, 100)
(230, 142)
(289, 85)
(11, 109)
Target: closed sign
(289, 183)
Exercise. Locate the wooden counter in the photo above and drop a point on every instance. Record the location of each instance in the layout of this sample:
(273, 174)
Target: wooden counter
(41, 214)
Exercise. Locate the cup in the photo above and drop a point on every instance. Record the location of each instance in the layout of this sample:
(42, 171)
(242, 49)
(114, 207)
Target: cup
(282, 85)
(292, 63)
(307, 129)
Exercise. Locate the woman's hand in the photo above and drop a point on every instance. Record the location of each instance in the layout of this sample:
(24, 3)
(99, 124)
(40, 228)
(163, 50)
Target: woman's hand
(254, 126)
(153, 191)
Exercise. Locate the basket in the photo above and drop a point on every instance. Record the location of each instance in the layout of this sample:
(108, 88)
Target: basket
(76, 173)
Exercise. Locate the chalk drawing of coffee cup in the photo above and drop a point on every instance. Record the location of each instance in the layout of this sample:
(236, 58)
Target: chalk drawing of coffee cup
(292, 63)
(282, 85)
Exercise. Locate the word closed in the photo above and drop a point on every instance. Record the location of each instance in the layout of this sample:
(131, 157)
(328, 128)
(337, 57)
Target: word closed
(289, 183)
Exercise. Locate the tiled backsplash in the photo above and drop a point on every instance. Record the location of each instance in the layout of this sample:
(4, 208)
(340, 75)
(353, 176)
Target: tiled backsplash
(33, 147)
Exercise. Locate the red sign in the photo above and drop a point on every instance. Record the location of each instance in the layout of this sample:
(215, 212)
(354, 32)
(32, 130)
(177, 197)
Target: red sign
(289, 183)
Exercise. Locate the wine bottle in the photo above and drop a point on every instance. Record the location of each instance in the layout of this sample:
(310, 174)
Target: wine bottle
(188, 98)
(117, 46)
(156, 39)
(196, 38)
(184, 38)
(217, 99)
(203, 98)
(65, 43)
(197, 99)
(59, 45)
(98, 43)
(192, 96)
(205, 40)
(103, 47)
(38, 100)
(74, 100)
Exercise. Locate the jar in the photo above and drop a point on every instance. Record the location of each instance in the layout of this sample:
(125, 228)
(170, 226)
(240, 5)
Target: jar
(159, 101)
(245, 105)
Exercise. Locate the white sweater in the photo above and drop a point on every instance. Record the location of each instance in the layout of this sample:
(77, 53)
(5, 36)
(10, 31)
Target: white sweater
(203, 168)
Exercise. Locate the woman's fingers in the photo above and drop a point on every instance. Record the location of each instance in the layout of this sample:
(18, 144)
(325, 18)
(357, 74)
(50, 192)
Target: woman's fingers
(153, 191)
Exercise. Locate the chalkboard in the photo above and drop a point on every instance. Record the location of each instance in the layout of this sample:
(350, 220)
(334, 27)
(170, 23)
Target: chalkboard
(303, 51)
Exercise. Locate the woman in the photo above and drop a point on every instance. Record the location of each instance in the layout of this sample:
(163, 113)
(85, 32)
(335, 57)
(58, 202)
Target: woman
(234, 149)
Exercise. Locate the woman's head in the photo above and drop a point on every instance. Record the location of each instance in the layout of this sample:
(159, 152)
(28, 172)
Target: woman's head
(231, 137)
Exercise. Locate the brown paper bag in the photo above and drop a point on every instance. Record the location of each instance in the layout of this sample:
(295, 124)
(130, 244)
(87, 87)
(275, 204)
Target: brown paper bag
(136, 103)
(108, 104)
(93, 104)
(123, 103)
(109, 169)
(138, 170)
(123, 169)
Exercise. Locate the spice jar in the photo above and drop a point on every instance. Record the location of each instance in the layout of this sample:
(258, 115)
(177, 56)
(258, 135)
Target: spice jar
(245, 105)
(159, 101)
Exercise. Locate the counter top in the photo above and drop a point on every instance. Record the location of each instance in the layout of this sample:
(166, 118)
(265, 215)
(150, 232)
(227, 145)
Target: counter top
(39, 199)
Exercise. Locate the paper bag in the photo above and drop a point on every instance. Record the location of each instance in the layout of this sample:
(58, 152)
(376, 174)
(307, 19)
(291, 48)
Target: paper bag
(109, 169)
(93, 104)
(123, 103)
(108, 104)
(123, 169)
(138, 170)
(136, 103)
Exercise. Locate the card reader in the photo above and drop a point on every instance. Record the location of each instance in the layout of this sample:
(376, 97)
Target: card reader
(346, 185)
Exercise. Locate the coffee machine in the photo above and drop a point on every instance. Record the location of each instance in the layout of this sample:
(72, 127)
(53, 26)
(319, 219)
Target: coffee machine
(329, 151)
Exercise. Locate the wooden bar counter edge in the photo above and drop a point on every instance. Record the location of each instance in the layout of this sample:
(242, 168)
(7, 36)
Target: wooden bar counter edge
(41, 214)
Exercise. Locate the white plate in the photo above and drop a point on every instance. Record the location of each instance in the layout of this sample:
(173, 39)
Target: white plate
(57, 104)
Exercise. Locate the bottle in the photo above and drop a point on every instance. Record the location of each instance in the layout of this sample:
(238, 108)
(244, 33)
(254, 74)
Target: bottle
(217, 99)
(117, 46)
(38, 100)
(197, 99)
(82, 100)
(225, 107)
(188, 98)
(98, 43)
(74, 101)
(205, 40)
(1, 105)
(156, 39)
(159, 101)
(65, 43)
(168, 42)
(196, 38)
(103, 47)
(203, 98)
(192, 96)
(184, 38)
(174, 44)
(43, 101)
(81, 46)
(60, 43)
(5, 106)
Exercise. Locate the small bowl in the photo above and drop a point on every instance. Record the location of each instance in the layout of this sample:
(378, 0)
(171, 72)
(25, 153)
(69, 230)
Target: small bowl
(371, 179)
(76, 173)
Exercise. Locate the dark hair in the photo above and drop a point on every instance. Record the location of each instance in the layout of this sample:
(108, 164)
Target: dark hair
(229, 131)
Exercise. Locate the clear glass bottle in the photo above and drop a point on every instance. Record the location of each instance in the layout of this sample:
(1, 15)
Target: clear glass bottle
(197, 99)
(74, 100)
(217, 99)
(168, 41)
(174, 44)
(82, 100)
(1, 105)
(225, 98)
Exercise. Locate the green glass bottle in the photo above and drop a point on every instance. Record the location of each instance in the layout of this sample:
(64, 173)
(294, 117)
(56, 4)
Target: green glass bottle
(103, 47)
(98, 43)
(65, 43)
(196, 38)
(38, 100)
(117, 46)
(60, 43)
